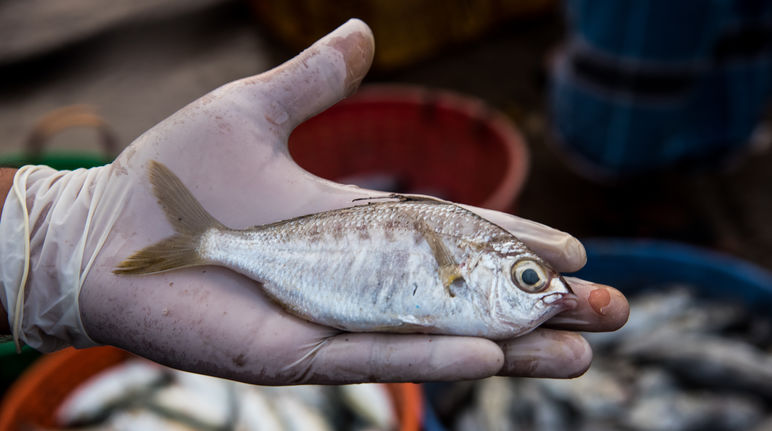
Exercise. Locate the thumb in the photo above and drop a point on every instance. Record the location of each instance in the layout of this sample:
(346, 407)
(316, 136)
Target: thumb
(326, 72)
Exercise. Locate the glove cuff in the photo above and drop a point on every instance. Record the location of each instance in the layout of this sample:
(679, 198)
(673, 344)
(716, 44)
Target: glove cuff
(52, 227)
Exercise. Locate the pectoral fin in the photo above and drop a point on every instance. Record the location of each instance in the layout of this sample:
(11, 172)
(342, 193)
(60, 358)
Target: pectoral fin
(447, 268)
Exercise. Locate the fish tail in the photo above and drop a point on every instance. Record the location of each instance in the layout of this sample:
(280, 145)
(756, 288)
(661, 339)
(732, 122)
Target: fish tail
(189, 219)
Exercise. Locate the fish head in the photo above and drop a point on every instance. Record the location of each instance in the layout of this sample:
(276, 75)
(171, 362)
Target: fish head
(527, 292)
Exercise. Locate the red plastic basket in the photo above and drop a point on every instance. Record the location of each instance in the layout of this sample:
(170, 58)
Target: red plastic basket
(427, 141)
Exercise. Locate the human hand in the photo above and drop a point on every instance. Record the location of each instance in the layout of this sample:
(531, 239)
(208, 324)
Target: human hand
(230, 149)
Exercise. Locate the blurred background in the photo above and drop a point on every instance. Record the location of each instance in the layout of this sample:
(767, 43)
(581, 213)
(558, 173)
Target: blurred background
(635, 120)
(135, 63)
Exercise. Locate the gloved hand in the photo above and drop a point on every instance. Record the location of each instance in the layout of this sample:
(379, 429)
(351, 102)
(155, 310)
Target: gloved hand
(230, 149)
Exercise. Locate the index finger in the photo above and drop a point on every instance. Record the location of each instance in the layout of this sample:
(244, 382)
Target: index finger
(561, 250)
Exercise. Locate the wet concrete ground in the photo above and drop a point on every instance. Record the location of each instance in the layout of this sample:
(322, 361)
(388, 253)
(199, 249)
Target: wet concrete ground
(140, 70)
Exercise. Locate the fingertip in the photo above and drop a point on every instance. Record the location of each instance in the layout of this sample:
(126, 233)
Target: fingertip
(601, 308)
(583, 360)
(564, 252)
(356, 43)
(576, 255)
(324, 73)
(547, 353)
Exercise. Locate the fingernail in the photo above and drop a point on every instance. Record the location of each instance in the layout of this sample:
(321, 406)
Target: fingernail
(577, 252)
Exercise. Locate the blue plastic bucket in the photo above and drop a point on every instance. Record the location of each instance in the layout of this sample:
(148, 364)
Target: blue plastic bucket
(658, 85)
(631, 265)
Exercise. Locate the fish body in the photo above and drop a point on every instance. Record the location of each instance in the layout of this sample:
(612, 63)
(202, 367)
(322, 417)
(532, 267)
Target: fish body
(408, 264)
(255, 411)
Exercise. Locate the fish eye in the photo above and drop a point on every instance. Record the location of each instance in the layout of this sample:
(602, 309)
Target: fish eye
(529, 276)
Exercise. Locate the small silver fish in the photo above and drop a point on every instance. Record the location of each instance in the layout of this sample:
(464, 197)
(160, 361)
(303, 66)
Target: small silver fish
(410, 264)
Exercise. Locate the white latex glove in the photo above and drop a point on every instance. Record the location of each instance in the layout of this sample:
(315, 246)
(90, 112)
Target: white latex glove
(230, 149)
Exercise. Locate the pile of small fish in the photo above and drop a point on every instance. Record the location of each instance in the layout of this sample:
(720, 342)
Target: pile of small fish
(681, 362)
(139, 395)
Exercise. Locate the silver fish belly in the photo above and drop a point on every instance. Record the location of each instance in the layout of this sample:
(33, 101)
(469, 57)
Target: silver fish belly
(408, 264)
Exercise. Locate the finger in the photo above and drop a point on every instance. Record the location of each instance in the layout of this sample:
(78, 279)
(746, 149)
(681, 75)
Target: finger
(546, 353)
(600, 308)
(315, 79)
(352, 358)
(560, 249)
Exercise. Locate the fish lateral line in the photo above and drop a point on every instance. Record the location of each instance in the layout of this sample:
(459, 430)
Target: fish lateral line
(399, 197)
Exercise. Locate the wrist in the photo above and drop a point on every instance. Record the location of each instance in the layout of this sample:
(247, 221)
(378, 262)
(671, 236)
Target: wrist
(6, 181)
(53, 225)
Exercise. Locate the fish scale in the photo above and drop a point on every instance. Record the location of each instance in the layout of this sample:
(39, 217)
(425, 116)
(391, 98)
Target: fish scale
(401, 264)
(324, 265)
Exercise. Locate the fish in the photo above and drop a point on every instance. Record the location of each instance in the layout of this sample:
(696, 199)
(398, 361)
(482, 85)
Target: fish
(709, 359)
(203, 401)
(689, 411)
(372, 403)
(130, 419)
(256, 412)
(406, 263)
(146, 420)
(498, 404)
(297, 416)
(599, 393)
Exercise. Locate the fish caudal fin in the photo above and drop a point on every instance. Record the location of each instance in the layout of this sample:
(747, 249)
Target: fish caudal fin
(182, 209)
(171, 253)
(189, 219)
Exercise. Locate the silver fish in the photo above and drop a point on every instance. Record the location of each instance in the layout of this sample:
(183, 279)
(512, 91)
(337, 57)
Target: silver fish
(409, 264)
(692, 411)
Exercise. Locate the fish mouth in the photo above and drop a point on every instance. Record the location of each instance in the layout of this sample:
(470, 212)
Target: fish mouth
(565, 284)
(564, 300)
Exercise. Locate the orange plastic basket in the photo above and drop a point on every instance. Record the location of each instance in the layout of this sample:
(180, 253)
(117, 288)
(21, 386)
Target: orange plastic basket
(34, 397)
(429, 141)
